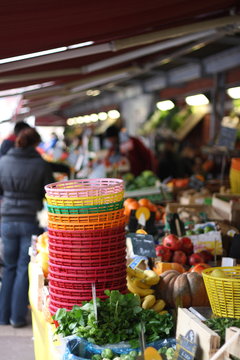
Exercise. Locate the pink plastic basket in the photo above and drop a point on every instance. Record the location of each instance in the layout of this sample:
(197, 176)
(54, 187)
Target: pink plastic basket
(85, 188)
(100, 233)
(93, 245)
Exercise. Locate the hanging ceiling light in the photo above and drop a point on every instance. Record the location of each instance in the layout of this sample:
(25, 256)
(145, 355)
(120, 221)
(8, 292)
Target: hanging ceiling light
(234, 92)
(196, 100)
(165, 105)
(114, 114)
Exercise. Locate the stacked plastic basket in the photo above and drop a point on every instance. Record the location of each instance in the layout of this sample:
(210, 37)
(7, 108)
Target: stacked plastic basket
(86, 240)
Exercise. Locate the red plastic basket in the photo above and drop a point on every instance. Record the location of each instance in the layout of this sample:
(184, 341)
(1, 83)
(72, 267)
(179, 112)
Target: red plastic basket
(85, 187)
(88, 255)
(87, 218)
(86, 234)
(62, 294)
(84, 273)
(114, 275)
(64, 305)
(95, 246)
(99, 261)
(87, 226)
(87, 285)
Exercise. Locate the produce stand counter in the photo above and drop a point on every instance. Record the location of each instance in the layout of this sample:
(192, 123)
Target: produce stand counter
(46, 345)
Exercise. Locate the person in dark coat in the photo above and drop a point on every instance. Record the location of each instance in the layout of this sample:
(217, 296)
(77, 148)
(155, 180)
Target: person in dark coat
(9, 142)
(23, 175)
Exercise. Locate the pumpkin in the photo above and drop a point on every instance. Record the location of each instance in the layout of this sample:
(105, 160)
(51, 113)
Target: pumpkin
(161, 267)
(185, 290)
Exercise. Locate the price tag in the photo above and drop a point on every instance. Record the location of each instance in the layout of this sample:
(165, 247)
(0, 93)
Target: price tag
(143, 244)
(227, 137)
(186, 346)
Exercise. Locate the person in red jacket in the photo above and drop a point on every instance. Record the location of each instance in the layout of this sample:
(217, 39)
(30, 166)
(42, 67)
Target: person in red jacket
(139, 156)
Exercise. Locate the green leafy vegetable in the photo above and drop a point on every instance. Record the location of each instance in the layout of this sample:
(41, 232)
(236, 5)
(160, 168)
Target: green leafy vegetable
(221, 324)
(119, 319)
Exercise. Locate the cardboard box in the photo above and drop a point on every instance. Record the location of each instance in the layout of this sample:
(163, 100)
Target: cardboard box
(228, 206)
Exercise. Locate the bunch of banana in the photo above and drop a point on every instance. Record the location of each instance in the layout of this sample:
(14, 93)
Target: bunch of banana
(139, 282)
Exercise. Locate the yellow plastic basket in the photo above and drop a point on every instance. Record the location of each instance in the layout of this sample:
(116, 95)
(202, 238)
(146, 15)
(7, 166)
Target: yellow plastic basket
(224, 292)
(85, 201)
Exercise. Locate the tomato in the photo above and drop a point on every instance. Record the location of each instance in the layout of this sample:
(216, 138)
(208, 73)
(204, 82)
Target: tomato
(172, 242)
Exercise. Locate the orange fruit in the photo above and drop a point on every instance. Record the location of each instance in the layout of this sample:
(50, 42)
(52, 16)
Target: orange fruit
(153, 208)
(145, 202)
(132, 205)
(128, 201)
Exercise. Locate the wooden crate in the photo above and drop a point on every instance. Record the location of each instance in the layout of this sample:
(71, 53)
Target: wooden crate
(209, 210)
(207, 339)
(228, 206)
(231, 346)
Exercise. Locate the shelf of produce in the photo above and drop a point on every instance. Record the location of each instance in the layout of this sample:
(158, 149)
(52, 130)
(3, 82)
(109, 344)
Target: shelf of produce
(154, 193)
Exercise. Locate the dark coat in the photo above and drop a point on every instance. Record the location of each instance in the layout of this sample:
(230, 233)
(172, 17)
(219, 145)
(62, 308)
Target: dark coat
(23, 175)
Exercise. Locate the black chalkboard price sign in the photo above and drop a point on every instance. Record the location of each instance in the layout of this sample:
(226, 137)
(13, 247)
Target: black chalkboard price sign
(227, 137)
(186, 346)
(143, 244)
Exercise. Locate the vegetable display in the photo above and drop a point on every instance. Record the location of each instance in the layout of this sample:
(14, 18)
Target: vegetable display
(219, 325)
(183, 290)
(119, 318)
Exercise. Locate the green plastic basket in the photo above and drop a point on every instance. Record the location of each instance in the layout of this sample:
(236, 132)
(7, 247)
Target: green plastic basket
(93, 209)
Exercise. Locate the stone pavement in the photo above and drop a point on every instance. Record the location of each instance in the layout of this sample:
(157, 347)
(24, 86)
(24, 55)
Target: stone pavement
(16, 344)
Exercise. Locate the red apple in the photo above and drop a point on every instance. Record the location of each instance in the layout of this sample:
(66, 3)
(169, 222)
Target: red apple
(195, 259)
(179, 257)
(199, 268)
(164, 253)
(187, 245)
(207, 256)
(172, 242)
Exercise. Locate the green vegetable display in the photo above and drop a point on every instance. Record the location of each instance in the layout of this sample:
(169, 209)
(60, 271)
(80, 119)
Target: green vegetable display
(219, 325)
(119, 319)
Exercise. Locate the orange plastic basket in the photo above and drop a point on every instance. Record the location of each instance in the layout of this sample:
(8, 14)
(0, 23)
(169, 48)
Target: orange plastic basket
(87, 218)
(224, 292)
(87, 226)
(85, 187)
(85, 201)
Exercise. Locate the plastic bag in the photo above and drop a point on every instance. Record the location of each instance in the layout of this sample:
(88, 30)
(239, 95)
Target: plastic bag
(80, 349)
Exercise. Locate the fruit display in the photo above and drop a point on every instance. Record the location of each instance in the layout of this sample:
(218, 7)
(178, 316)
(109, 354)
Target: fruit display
(140, 282)
(185, 290)
(146, 179)
(133, 204)
(179, 250)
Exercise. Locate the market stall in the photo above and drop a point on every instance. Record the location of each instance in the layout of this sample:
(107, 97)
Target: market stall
(112, 292)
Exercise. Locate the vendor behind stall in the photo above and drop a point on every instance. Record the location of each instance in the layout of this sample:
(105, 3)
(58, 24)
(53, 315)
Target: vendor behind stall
(121, 144)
